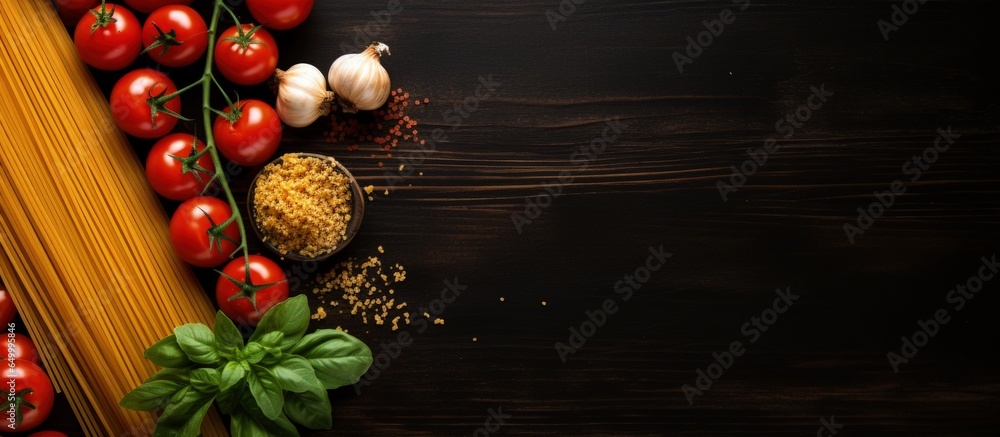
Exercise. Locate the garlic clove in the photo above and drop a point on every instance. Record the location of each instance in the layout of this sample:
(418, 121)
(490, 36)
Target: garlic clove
(359, 80)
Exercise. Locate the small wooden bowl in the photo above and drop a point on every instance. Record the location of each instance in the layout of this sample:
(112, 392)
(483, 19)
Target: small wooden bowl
(353, 226)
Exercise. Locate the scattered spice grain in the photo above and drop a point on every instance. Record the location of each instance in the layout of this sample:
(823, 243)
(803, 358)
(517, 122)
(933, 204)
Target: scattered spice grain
(386, 126)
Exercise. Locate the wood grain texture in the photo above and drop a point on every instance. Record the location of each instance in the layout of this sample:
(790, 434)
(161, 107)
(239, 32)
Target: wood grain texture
(656, 185)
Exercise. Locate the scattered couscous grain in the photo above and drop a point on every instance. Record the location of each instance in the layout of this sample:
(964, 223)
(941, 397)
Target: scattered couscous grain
(475, 339)
(369, 189)
(438, 321)
(320, 314)
(303, 205)
(543, 303)
(501, 298)
(365, 288)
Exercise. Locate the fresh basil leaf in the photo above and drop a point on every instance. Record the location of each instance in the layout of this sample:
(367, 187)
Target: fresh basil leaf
(250, 421)
(181, 375)
(232, 374)
(295, 374)
(229, 399)
(182, 418)
(151, 395)
(271, 339)
(167, 353)
(254, 352)
(180, 394)
(205, 379)
(265, 390)
(338, 358)
(290, 318)
(228, 338)
(273, 356)
(198, 342)
(311, 408)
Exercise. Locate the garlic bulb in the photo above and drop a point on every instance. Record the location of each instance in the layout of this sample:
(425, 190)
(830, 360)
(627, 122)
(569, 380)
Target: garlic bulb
(359, 80)
(302, 95)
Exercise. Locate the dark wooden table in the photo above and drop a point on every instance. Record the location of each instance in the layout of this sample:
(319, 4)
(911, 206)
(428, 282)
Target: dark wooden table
(561, 76)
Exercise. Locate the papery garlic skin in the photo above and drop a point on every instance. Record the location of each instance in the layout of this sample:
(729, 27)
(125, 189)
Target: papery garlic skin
(359, 80)
(302, 95)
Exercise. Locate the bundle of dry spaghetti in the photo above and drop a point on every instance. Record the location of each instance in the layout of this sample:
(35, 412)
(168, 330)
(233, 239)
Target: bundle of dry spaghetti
(85, 251)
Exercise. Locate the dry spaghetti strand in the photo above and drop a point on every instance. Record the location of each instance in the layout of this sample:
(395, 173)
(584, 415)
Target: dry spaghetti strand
(84, 249)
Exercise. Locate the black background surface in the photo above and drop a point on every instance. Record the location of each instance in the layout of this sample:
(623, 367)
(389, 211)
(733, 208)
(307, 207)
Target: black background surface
(657, 185)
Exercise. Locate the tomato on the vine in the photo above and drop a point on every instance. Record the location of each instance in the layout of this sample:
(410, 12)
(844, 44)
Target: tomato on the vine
(71, 11)
(24, 349)
(31, 393)
(175, 36)
(108, 37)
(7, 309)
(280, 14)
(48, 434)
(245, 298)
(132, 106)
(170, 176)
(148, 6)
(253, 137)
(246, 55)
(191, 230)
(77, 4)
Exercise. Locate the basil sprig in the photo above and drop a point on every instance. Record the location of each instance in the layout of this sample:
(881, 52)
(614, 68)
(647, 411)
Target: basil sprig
(278, 377)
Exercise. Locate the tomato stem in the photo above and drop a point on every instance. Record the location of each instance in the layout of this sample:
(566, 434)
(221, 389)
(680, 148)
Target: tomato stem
(102, 18)
(16, 403)
(206, 82)
(223, 91)
(166, 98)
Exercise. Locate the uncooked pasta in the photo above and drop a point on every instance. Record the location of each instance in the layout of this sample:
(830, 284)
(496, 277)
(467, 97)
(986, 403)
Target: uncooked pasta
(84, 248)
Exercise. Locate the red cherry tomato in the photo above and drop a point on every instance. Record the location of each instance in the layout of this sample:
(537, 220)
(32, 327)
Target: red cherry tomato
(71, 11)
(108, 40)
(175, 36)
(7, 309)
(189, 228)
(234, 298)
(246, 56)
(169, 176)
(32, 394)
(48, 434)
(131, 110)
(253, 138)
(77, 4)
(280, 14)
(23, 349)
(148, 6)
